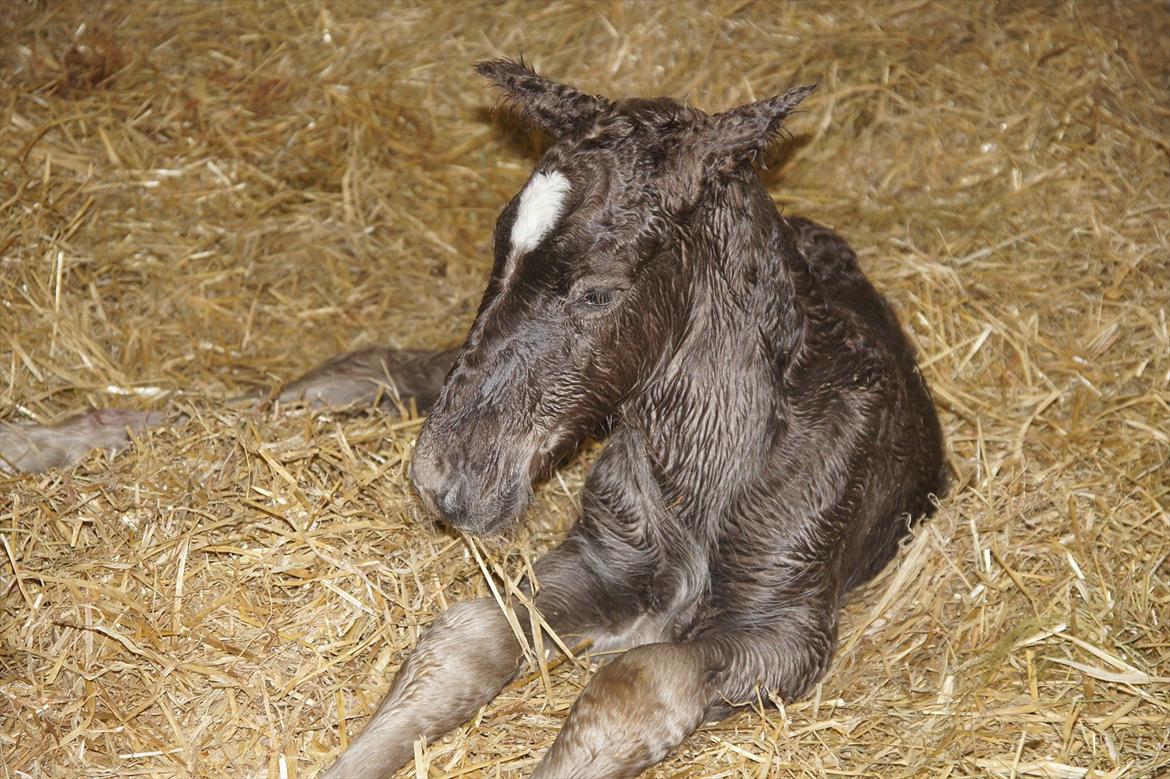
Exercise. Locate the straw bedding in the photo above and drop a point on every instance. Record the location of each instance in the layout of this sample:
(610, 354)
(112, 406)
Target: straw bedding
(199, 200)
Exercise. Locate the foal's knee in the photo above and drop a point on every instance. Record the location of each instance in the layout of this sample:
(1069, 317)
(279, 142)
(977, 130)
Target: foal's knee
(648, 678)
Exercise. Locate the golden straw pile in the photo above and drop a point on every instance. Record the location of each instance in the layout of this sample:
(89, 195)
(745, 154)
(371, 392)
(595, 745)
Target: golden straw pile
(199, 200)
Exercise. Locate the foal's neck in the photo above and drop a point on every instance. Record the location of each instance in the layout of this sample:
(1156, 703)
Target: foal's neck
(710, 415)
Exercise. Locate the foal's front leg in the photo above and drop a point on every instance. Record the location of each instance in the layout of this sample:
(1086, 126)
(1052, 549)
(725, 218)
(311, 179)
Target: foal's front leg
(644, 703)
(463, 661)
(470, 653)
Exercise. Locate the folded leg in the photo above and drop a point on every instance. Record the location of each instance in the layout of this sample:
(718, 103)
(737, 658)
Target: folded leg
(645, 702)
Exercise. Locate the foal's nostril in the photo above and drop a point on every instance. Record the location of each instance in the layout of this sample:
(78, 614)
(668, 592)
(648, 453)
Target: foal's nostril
(453, 486)
(453, 499)
(443, 490)
(449, 505)
(448, 498)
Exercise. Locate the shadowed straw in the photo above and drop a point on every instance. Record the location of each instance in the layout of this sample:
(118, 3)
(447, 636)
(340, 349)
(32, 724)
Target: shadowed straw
(201, 199)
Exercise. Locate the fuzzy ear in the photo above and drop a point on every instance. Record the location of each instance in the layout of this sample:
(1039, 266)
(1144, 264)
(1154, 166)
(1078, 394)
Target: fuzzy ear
(746, 131)
(554, 108)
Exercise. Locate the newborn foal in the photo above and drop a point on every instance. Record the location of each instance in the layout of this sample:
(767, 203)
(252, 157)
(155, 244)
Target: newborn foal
(770, 436)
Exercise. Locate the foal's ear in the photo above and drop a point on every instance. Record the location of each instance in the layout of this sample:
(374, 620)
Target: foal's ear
(748, 130)
(555, 108)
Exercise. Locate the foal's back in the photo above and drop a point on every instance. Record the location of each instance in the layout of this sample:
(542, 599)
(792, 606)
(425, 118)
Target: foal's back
(903, 466)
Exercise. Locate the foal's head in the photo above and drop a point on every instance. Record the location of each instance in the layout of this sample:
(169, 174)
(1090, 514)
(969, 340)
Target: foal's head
(591, 284)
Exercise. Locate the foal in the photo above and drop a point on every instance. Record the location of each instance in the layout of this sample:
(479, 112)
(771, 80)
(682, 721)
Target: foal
(770, 436)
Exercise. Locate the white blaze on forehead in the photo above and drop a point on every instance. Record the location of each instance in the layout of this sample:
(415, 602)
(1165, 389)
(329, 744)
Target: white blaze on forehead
(540, 207)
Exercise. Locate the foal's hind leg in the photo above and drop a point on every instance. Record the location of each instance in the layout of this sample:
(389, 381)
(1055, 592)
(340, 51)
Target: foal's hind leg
(470, 653)
(31, 448)
(359, 377)
(348, 378)
(644, 703)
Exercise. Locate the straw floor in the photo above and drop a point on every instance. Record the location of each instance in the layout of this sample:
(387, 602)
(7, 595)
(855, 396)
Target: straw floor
(199, 200)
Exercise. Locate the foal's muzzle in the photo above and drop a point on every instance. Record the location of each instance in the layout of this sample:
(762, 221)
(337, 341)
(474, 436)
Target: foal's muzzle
(459, 494)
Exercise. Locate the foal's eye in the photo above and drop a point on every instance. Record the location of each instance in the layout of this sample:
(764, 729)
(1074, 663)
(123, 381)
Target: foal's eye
(597, 298)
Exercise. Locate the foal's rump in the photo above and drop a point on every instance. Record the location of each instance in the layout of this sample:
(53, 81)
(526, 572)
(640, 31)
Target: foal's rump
(833, 264)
